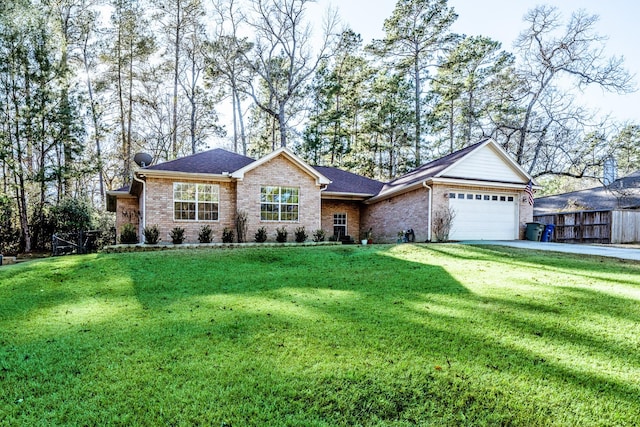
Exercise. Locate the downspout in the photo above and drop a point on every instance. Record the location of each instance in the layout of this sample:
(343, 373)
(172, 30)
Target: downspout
(143, 214)
(424, 184)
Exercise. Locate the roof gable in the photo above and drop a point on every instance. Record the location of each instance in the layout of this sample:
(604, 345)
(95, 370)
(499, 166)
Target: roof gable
(288, 154)
(467, 164)
(487, 162)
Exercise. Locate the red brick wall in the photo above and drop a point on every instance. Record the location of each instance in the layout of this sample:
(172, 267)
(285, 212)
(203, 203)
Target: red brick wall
(127, 211)
(388, 217)
(351, 208)
(279, 172)
(159, 210)
(410, 210)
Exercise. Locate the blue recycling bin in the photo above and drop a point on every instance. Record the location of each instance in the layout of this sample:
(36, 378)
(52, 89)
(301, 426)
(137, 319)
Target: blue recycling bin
(547, 234)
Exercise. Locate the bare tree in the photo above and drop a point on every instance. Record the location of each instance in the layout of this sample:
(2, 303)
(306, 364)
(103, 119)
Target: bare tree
(550, 54)
(282, 57)
(226, 62)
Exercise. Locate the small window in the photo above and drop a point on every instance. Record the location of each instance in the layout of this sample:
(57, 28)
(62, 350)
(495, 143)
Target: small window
(478, 196)
(494, 198)
(452, 195)
(469, 196)
(503, 198)
(460, 196)
(510, 199)
(487, 197)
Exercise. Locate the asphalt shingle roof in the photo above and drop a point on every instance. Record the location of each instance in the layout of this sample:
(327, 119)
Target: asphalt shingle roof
(347, 182)
(623, 193)
(429, 170)
(214, 161)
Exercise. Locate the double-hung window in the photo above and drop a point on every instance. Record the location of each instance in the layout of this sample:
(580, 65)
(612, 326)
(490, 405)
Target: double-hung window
(279, 203)
(195, 202)
(339, 225)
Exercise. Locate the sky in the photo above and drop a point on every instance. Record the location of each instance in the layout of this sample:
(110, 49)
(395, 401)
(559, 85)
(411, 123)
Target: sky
(501, 20)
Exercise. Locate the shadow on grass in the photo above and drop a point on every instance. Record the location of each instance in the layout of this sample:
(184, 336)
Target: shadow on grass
(253, 337)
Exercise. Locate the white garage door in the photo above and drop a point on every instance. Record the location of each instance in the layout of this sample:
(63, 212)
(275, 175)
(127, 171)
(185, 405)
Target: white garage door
(483, 216)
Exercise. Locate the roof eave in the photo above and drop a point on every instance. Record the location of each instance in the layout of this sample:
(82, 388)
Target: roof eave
(123, 194)
(195, 176)
(337, 195)
(397, 191)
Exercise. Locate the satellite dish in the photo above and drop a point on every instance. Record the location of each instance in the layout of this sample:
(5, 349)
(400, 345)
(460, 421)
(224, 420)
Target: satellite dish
(143, 159)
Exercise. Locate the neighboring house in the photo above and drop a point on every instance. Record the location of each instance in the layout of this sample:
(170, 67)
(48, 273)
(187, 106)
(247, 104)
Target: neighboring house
(481, 184)
(623, 193)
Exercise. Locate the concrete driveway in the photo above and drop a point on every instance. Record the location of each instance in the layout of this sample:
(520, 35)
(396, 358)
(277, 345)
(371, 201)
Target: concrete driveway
(598, 250)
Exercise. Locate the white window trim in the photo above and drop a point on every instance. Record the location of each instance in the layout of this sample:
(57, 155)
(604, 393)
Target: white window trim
(196, 201)
(279, 204)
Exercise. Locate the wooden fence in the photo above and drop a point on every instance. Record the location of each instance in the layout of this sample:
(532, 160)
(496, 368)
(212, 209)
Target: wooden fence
(594, 226)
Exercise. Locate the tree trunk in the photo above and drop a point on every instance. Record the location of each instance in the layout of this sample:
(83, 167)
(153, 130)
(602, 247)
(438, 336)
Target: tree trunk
(234, 109)
(94, 118)
(120, 83)
(176, 64)
(418, 115)
(243, 138)
(281, 123)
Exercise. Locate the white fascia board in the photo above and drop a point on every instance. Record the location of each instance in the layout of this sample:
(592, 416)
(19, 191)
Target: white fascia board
(120, 194)
(144, 173)
(476, 183)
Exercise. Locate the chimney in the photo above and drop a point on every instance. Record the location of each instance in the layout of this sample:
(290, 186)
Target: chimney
(610, 171)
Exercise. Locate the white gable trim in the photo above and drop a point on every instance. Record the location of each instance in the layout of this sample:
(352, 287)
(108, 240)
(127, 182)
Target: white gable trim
(283, 151)
(504, 156)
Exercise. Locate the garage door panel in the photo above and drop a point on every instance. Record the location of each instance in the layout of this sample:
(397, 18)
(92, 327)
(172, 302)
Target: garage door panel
(480, 216)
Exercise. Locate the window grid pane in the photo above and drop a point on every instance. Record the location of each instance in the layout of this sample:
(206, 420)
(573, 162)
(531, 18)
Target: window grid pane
(279, 203)
(195, 201)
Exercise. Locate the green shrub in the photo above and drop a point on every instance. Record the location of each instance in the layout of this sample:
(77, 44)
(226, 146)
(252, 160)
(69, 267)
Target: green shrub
(71, 215)
(301, 234)
(261, 235)
(105, 222)
(151, 234)
(318, 235)
(281, 234)
(227, 235)
(177, 235)
(128, 234)
(9, 232)
(205, 235)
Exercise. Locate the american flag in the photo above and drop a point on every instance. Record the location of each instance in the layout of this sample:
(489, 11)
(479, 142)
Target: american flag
(529, 191)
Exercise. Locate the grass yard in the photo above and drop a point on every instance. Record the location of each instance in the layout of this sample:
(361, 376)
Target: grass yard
(321, 336)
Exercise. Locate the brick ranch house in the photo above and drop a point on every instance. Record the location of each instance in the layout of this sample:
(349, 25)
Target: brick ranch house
(481, 184)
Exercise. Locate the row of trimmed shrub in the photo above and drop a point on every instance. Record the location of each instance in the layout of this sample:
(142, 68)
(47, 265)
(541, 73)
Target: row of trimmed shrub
(128, 235)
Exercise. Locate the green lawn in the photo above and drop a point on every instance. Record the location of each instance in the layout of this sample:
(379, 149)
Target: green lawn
(321, 336)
